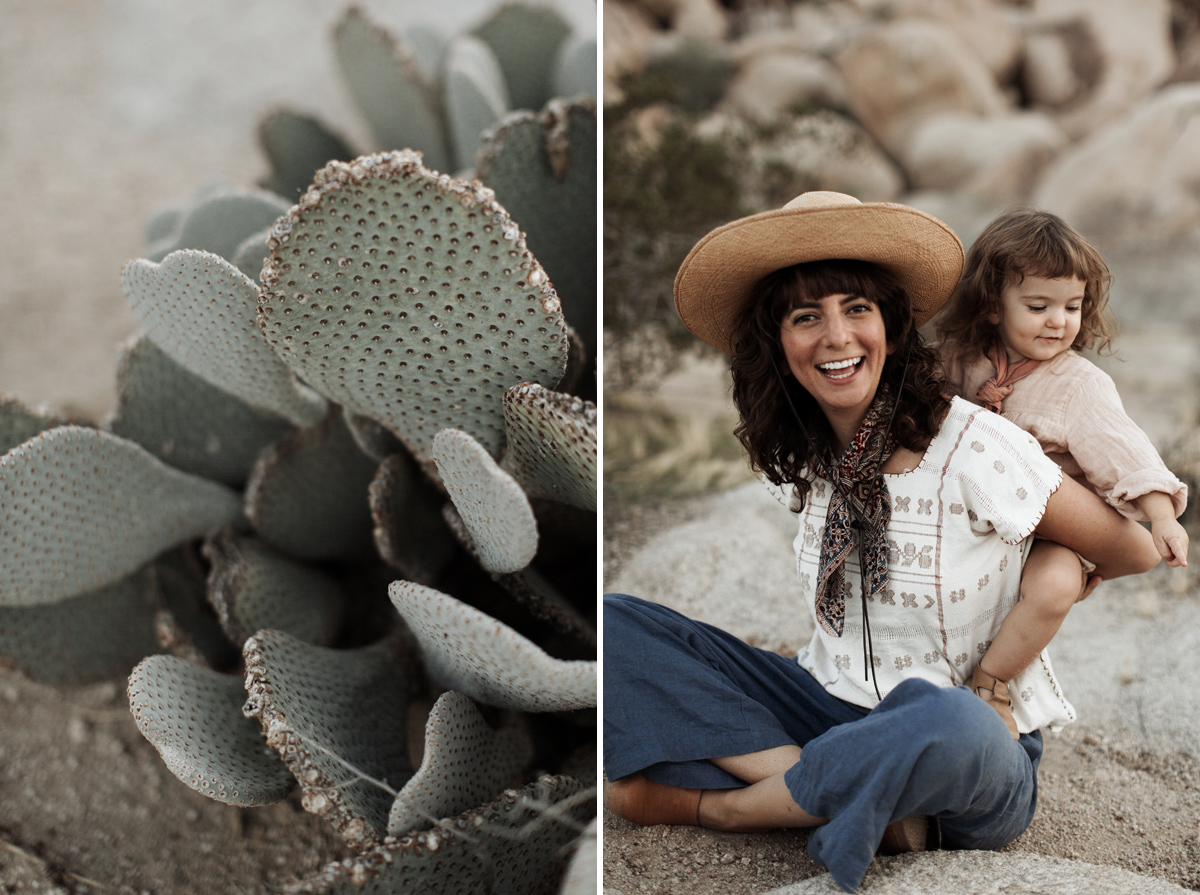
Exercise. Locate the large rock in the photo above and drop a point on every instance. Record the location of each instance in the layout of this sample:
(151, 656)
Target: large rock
(819, 151)
(1131, 186)
(982, 25)
(1000, 159)
(628, 34)
(771, 85)
(900, 73)
(800, 27)
(699, 19)
(1090, 61)
(734, 569)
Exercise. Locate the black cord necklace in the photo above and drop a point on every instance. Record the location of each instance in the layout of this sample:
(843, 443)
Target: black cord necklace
(856, 523)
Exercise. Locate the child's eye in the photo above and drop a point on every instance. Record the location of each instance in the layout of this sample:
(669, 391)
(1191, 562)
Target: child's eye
(1073, 309)
(1036, 308)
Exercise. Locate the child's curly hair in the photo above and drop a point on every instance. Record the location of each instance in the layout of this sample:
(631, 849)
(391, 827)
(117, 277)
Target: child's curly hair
(1024, 242)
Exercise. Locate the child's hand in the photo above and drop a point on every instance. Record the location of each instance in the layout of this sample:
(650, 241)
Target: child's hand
(1171, 539)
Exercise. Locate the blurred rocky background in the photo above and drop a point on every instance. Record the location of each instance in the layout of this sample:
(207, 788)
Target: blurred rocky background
(1088, 108)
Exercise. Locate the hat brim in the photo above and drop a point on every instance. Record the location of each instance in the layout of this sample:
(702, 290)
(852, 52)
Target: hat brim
(716, 280)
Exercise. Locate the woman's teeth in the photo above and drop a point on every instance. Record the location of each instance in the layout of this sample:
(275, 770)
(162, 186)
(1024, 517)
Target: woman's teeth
(834, 369)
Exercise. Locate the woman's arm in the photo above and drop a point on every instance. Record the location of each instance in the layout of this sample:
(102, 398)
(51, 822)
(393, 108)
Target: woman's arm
(1075, 517)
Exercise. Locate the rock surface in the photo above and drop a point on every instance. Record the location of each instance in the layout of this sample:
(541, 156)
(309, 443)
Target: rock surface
(958, 872)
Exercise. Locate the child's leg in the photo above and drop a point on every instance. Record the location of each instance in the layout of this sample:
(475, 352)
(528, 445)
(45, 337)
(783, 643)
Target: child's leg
(1051, 582)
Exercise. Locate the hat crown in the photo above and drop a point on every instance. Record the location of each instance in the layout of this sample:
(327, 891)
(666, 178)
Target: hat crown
(821, 199)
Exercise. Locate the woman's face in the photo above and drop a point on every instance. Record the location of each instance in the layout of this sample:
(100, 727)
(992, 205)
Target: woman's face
(836, 347)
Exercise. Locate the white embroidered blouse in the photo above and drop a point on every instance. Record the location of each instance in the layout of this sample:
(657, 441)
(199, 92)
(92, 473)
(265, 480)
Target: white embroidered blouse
(959, 533)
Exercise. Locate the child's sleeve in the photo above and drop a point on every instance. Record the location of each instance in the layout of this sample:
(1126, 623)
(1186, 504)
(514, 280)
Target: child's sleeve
(1116, 456)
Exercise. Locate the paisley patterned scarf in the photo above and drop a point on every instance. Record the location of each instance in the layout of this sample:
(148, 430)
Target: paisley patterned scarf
(859, 502)
(993, 392)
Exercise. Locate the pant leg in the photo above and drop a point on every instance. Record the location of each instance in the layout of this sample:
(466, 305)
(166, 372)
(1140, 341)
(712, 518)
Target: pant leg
(923, 750)
(678, 692)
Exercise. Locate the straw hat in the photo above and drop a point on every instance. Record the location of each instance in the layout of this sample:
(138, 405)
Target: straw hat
(717, 278)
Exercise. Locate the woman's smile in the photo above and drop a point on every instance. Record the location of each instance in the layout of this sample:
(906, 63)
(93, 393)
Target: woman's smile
(841, 369)
(836, 347)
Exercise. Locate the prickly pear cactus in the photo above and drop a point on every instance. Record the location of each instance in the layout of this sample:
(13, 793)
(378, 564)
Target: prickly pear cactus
(348, 494)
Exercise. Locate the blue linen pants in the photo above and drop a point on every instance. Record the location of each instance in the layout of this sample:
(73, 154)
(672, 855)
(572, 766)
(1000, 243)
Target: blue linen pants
(678, 692)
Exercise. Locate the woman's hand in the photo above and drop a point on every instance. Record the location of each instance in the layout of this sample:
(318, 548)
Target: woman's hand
(1075, 517)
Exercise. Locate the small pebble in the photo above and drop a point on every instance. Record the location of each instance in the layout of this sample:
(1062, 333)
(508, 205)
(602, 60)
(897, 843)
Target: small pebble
(727, 858)
(1092, 740)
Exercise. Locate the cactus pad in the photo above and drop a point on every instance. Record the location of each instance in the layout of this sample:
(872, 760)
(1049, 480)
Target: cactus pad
(466, 764)
(19, 423)
(188, 626)
(376, 441)
(81, 509)
(200, 310)
(193, 717)
(394, 95)
(471, 652)
(526, 40)
(95, 636)
(337, 717)
(552, 444)
(187, 422)
(251, 255)
(528, 588)
(575, 68)
(296, 146)
(543, 169)
(489, 501)
(254, 587)
(410, 297)
(517, 843)
(308, 494)
(218, 223)
(410, 533)
(475, 96)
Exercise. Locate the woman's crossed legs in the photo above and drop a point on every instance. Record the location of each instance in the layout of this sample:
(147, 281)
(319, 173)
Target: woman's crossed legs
(691, 706)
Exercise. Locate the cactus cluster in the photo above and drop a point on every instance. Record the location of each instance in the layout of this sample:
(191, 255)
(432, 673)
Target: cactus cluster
(341, 525)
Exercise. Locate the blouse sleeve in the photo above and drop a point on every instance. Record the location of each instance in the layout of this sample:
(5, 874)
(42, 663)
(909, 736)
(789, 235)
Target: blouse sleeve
(1115, 455)
(1005, 477)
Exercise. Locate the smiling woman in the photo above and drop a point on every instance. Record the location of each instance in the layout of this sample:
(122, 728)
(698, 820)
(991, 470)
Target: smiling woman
(915, 515)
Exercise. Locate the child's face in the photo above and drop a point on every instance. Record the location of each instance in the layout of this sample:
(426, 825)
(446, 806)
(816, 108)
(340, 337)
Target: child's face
(1039, 318)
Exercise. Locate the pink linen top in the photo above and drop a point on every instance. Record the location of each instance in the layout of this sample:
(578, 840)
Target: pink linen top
(1072, 408)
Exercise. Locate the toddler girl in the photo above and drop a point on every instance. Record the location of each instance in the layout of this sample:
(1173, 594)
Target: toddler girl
(1034, 290)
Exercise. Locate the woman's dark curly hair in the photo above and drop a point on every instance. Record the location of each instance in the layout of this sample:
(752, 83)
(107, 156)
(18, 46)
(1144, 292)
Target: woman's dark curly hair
(768, 429)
